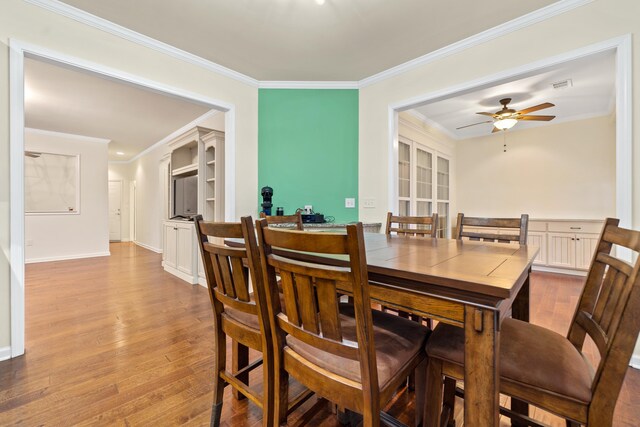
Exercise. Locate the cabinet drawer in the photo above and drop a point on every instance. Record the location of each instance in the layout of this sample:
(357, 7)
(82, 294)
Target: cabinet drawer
(575, 227)
(537, 226)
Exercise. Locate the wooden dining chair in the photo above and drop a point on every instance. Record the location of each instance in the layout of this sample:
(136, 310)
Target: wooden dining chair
(484, 229)
(423, 226)
(238, 314)
(295, 219)
(351, 355)
(549, 370)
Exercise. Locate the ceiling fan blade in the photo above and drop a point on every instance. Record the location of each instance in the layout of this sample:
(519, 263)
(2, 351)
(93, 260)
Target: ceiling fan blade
(495, 129)
(479, 123)
(487, 114)
(538, 118)
(536, 108)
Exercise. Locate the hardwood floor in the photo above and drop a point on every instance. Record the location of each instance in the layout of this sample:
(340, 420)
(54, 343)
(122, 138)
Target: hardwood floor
(117, 341)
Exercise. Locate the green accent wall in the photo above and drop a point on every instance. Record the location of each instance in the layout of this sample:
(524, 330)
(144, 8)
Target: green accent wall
(308, 149)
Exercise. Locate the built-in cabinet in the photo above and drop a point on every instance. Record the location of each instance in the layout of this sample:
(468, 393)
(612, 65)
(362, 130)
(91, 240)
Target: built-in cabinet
(196, 157)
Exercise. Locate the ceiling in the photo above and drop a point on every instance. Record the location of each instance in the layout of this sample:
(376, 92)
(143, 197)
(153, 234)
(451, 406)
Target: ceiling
(300, 40)
(68, 100)
(592, 94)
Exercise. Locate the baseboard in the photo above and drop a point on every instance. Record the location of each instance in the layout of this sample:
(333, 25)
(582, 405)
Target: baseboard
(5, 353)
(559, 270)
(151, 248)
(202, 282)
(186, 277)
(635, 361)
(66, 257)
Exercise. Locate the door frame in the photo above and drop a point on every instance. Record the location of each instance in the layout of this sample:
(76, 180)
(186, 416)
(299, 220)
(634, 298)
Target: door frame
(17, 51)
(624, 117)
(119, 181)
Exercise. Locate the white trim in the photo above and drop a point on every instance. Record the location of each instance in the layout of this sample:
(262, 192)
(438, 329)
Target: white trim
(149, 247)
(81, 138)
(624, 123)
(566, 271)
(135, 37)
(67, 257)
(635, 361)
(435, 125)
(17, 52)
(519, 23)
(180, 275)
(121, 205)
(16, 197)
(229, 166)
(308, 85)
(5, 353)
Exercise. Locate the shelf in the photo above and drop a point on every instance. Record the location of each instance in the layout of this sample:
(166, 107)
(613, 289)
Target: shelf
(211, 162)
(211, 180)
(211, 199)
(185, 169)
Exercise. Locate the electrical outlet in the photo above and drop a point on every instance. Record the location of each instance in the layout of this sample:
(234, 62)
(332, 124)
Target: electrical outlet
(29, 242)
(308, 209)
(369, 203)
(349, 202)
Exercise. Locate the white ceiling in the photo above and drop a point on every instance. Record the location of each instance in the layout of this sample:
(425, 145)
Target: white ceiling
(592, 94)
(289, 40)
(68, 100)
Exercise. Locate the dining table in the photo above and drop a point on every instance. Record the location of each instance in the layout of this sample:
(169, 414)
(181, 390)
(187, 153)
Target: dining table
(470, 284)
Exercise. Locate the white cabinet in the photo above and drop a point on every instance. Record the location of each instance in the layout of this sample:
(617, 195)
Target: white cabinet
(180, 250)
(570, 244)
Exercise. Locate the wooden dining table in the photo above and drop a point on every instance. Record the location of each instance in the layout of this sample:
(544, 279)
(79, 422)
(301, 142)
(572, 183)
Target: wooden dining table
(470, 284)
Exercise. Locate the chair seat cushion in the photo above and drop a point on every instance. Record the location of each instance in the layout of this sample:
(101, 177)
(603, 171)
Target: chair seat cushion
(397, 342)
(248, 319)
(529, 354)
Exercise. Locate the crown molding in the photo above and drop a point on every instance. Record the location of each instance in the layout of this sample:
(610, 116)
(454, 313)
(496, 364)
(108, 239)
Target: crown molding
(534, 17)
(430, 123)
(173, 135)
(80, 138)
(308, 85)
(135, 37)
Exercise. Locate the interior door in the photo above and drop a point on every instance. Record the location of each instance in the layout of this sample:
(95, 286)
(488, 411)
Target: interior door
(115, 219)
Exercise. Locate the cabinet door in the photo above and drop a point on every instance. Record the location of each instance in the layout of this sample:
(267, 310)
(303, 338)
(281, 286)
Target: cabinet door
(170, 241)
(562, 250)
(586, 245)
(184, 259)
(539, 239)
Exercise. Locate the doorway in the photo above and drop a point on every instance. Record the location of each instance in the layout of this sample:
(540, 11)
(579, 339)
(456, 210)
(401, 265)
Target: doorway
(18, 52)
(115, 211)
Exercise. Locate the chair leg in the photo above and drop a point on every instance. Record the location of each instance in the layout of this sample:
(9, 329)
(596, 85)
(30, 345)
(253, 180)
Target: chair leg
(239, 360)
(572, 424)
(421, 387)
(216, 411)
(449, 400)
(281, 396)
(219, 365)
(433, 398)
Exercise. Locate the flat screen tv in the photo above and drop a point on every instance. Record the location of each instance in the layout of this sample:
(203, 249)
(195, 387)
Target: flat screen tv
(185, 196)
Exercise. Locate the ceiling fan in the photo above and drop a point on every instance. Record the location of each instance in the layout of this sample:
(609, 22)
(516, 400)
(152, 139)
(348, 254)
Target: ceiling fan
(507, 117)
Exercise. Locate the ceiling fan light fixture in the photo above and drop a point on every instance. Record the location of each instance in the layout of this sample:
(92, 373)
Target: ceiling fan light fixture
(504, 124)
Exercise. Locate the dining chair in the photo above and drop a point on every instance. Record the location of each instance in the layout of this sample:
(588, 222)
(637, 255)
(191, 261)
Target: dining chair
(351, 355)
(238, 314)
(548, 370)
(424, 226)
(484, 229)
(295, 219)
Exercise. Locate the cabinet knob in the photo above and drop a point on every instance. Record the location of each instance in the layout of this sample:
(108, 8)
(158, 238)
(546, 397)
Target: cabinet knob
(577, 239)
(573, 238)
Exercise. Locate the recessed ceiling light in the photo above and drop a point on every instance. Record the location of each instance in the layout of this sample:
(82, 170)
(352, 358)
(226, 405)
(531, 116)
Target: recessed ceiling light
(119, 153)
(320, 2)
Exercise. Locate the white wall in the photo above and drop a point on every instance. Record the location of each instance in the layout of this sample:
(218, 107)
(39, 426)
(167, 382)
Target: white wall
(559, 171)
(122, 172)
(65, 236)
(29, 23)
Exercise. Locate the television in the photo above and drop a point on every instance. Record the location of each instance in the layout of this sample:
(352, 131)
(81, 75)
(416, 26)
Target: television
(185, 196)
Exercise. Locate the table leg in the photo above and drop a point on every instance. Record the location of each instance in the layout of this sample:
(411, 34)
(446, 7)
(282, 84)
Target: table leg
(481, 358)
(520, 311)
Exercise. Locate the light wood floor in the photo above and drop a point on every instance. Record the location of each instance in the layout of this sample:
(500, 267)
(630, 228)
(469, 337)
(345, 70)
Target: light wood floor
(116, 341)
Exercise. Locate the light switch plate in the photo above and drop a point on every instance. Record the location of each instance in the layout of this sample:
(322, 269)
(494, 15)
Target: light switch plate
(369, 203)
(349, 202)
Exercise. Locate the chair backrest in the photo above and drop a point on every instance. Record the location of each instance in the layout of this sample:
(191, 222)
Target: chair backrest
(425, 226)
(609, 312)
(519, 226)
(311, 294)
(295, 219)
(228, 269)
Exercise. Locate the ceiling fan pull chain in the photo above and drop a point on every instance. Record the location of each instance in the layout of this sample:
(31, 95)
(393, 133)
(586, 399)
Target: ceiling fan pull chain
(504, 141)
